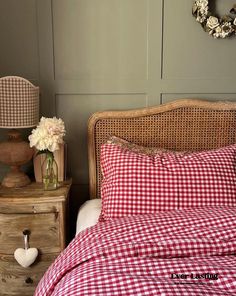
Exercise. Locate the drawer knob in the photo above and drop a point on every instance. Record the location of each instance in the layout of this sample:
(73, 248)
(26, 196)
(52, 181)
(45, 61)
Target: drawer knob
(29, 280)
(26, 232)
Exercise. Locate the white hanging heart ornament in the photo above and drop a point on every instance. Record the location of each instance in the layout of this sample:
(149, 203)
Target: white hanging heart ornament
(25, 257)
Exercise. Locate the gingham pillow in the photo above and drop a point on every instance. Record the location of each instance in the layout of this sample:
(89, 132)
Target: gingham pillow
(137, 183)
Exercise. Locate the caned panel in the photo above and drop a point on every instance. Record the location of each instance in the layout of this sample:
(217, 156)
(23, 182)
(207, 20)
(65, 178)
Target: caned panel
(183, 125)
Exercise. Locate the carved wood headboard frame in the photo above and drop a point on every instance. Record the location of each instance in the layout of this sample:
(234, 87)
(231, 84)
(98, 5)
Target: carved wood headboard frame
(180, 125)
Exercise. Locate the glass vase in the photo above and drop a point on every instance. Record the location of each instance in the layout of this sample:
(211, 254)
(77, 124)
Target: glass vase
(49, 172)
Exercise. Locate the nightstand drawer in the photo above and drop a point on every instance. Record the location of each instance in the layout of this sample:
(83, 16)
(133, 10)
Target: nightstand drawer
(43, 227)
(41, 212)
(16, 280)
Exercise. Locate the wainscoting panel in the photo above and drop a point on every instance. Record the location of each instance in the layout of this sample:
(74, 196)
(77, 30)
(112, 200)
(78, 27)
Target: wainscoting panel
(19, 40)
(75, 111)
(188, 51)
(100, 39)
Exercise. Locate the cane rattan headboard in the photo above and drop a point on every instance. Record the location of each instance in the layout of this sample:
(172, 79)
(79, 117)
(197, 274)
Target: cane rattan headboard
(180, 125)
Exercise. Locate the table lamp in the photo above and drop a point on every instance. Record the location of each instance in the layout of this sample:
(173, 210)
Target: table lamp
(19, 108)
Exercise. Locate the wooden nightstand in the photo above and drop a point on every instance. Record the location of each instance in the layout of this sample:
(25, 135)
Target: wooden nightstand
(43, 213)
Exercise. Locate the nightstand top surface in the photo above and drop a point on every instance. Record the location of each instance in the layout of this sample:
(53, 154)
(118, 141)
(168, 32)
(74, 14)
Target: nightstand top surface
(36, 192)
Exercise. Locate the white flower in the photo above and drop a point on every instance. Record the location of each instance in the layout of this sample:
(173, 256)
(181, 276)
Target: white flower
(201, 17)
(223, 31)
(48, 135)
(204, 11)
(234, 22)
(226, 30)
(201, 3)
(218, 32)
(201, 10)
(212, 22)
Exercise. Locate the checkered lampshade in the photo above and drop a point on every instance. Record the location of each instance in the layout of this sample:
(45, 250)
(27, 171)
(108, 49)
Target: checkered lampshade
(19, 103)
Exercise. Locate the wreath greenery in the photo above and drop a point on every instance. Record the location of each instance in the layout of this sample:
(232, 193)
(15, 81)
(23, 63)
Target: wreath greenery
(218, 27)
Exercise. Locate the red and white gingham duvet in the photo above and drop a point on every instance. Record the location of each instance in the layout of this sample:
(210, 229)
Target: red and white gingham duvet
(170, 253)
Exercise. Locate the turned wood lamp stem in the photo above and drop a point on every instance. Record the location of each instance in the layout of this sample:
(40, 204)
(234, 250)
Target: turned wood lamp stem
(15, 152)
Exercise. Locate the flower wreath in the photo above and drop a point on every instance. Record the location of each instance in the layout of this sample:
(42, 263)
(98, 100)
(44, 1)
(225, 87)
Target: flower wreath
(218, 27)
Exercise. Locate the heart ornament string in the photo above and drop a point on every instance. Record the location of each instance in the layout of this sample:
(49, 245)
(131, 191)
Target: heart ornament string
(26, 256)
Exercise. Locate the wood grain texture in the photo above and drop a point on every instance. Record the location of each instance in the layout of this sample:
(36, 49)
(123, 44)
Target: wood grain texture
(34, 194)
(44, 232)
(19, 281)
(43, 213)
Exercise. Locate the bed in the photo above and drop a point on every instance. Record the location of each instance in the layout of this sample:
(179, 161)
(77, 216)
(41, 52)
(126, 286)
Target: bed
(166, 219)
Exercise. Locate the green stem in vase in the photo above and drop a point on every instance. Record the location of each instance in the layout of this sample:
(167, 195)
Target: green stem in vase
(49, 172)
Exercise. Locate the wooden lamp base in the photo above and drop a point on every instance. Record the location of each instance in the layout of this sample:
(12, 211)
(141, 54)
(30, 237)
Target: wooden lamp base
(15, 178)
(15, 152)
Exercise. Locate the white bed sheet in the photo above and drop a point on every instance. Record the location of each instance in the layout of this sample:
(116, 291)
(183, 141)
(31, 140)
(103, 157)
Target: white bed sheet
(88, 214)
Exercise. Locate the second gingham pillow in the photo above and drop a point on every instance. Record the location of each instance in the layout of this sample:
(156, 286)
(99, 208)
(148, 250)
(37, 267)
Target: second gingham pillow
(139, 181)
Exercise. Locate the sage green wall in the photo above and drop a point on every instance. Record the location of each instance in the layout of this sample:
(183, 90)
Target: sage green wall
(90, 55)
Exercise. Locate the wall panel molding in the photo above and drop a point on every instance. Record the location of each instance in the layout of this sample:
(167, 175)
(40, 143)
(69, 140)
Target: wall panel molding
(167, 97)
(46, 56)
(100, 86)
(19, 39)
(188, 51)
(92, 39)
(76, 110)
(198, 85)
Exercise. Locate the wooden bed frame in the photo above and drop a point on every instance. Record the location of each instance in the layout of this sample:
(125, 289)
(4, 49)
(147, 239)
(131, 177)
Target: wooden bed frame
(180, 125)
